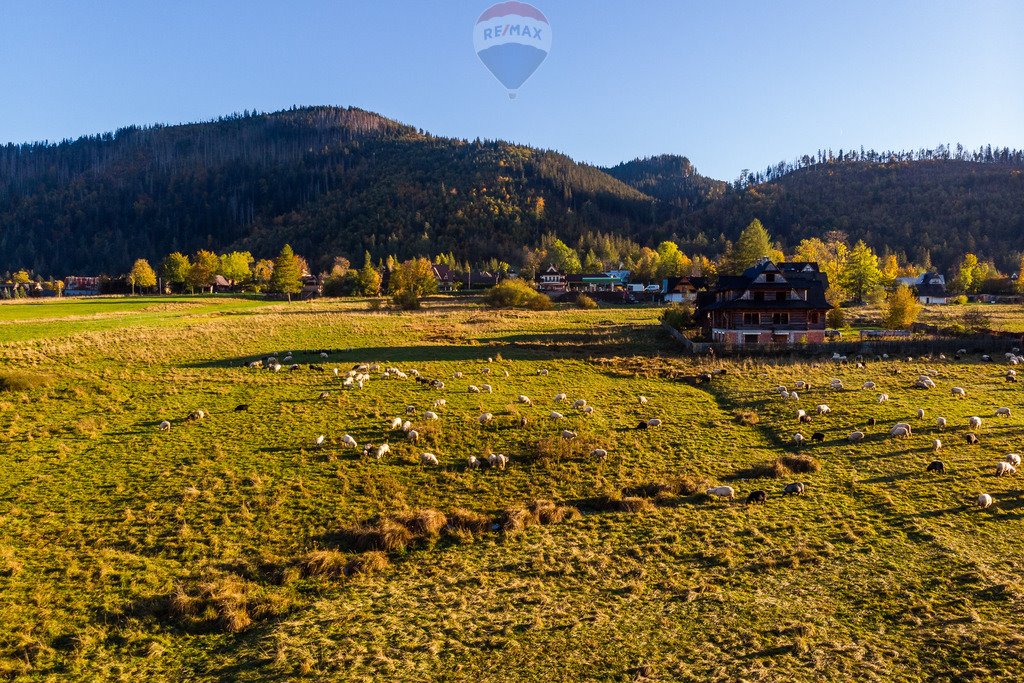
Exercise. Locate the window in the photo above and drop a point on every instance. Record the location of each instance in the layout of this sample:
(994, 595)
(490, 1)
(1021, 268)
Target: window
(814, 318)
(750, 319)
(780, 296)
(769, 277)
(758, 296)
(780, 318)
(751, 338)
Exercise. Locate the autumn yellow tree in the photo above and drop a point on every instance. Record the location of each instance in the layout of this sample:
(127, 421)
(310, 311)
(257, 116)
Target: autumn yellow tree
(901, 309)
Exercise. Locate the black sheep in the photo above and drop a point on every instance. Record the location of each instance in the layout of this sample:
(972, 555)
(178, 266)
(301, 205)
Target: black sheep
(972, 440)
(241, 407)
(643, 425)
(818, 436)
(871, 422)
(758, 497)
(936, 466)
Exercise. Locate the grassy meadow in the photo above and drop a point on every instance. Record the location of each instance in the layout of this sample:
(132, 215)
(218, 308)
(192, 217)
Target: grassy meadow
(233, 547)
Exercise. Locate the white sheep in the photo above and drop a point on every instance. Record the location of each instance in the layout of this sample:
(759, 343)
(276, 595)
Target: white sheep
(1013, 459)
(319, 441)
(984, 501)
(801, 414)
(430, 415)
(487, 388)
(381, 451)
(920, 413)
(793, 396)
(868, 385)
(556, 416)
(800, 384)
(799, 438)
(974, 423)
(497, 460)
(1002, 412)
(836, 384)
(542, 372)
(568, 435)
(940, 423)
(854, 437)
(654, 422)
(899, 432)
(473, 389)
(348, 441)
(440, 403)
(525, 400)
(428, 459)
(882, 398)
(1005, 468)
(485, 418)
(643, 400)
(560, 397)
(457, 375)
(472, 462)
(410, 410)
(937, 445)
(164, 426)
(784, 394)
(958, 392)
(413, 436)
(599, 453)
(396, 424)
(579, 403)
(589, 410)
(823, 409)
(722, 492)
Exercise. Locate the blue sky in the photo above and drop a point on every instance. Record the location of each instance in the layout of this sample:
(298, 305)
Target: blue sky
(730, 84)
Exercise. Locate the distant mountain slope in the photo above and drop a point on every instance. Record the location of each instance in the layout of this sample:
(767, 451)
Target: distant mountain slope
(947, 207)
(670, 178)
(331, 180)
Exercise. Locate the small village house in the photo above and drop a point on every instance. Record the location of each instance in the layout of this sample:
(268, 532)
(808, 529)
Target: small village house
(767, 304)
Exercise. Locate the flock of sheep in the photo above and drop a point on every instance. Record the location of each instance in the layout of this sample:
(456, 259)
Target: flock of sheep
(901, 430)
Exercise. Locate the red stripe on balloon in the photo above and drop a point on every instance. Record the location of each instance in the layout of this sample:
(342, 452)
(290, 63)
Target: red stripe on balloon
(519, 8)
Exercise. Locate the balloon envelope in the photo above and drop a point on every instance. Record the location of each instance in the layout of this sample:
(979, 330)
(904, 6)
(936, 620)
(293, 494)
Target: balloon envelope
(512, 39)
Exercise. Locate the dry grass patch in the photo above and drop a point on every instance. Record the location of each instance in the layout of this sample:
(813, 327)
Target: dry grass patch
(423, 523)
(23, 380)
(386, 535)
(800, 464)
(372, 562)
(329, 563)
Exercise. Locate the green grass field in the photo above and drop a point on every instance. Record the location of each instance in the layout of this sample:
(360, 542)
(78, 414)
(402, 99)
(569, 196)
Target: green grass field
(234, 548)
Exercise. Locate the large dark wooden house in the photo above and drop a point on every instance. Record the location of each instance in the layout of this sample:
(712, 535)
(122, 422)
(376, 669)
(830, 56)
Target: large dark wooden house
(767, 304)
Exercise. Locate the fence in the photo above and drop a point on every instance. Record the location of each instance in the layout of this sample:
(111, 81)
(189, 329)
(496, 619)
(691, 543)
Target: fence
(996, 343)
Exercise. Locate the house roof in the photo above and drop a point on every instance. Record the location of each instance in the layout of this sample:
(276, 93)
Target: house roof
(799, 276)
(931, 290)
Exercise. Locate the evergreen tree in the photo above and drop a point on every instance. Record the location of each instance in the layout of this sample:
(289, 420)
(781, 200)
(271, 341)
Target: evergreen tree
(753, 244)
(286, 276)
(861, 275)
(141, 275)
(1020, 276)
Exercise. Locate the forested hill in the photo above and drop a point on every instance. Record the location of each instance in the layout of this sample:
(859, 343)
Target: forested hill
(335, 182)
(332, 181)
(944, 206)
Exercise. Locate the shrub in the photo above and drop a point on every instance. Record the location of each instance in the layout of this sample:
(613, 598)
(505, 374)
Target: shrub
(835, 318)
(345, 284)
(406, 300)
(21, 380)
(387, 535)
(615, 503)
(330, 563)
(678, 316)
(547, 512)
(426, 523)
(800, 464)
(959, 300)
(371, 562)
(585, 302)
(748, 417)
(462, 520)
(516, 293)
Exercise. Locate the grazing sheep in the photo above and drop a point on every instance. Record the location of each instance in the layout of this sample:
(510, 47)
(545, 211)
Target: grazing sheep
(485, 418)
(1002, 412)
(836, 384)
(473, 463)
(920, 413)
(722, 492)
(642, 424)
(756, 497)
(805, 419)
(241, 407)
(882, 398)
(396, 424)
(599, 453)
(589, 410)
(823, 409)
(319, 441)
(936, 466)
(985, 501)
(974, 423)
(854, 437)
(940, 423)
(1013, 459)
(410, 410)
(567, 435)
(164, 426)
(868, 385)
(430, 415)
(972, 439)
(542, 372)
(784, 394)
(473, 389)
(793, 396)
(349, 442)
(457, 375)
(497, 460)
(428, 459)
(643, 400)
(413, 436)
(555, 416)
(872, 422)
(579, 403)
(958, 392)
(406, 426)
(937, 445)
(522, 421)
(381, 451)
(801, 385)
(799, 439)
(560, 397)
(899, 432)
(196, 415)
(800, 415)
(794, 489)
(818, 436)
(440, 403)
(487, 388)
(525, 400)
(654, 422)
(1005, 468)
(485, 371)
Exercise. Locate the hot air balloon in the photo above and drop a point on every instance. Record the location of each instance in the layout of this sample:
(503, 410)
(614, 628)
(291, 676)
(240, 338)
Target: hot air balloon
(512, 39)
